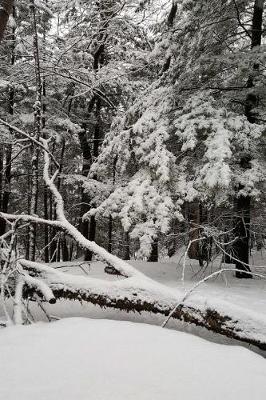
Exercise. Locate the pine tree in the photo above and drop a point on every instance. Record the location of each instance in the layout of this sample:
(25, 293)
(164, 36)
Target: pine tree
(183, 139)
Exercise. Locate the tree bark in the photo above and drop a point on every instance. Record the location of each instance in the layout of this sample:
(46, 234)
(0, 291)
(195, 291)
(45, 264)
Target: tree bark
(53, 230)
(96, 105)
(37, 133)
(110, 233)
(153, 257)
(172, 14)
(85, 199)
(243, 203)
(64, 248)
(6, 8)
(6, 177)
(200, 246)
(45, 191)
(1, 184)
(126, 250)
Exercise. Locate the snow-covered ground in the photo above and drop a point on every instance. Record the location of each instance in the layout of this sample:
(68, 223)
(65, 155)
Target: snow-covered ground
(96, 359)
(78, 358)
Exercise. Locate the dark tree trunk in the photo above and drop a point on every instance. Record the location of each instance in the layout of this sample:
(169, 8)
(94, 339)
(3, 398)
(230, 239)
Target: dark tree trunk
(96, 145)
(241, 247)
(45, 190)
(58, 250)
(106, 11)
(97, 138)
(52, 237)
(243, 203)
(92, 234)
(110, 232)
(200, 246)
(6, 176)
(6, 8)
(172, 14)
(153, 257)
(110, 222)
(85, 199)
(64, 248)
(1, 184)
(46, 228)
(170, 22)
(194, 222)
(126, 252)
(37, 108)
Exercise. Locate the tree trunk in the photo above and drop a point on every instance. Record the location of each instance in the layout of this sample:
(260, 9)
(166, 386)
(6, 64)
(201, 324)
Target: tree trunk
(37, 134)
(6, 176)
(96, 145)
(45, 191)
(86, 164)
(92, 234)
(85, 199)
(243, 203)
(64, 248)
(200, 246)
(110, 232)
(54, 231)
(6, 8)
(194, 222)
(153, 257)
(110, 221)
(126, 252)
(1, 185)
(106, 11)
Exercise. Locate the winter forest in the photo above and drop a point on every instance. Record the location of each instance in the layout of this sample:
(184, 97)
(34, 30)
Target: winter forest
(132, 199)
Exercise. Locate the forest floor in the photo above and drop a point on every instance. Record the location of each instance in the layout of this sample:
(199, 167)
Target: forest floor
(89, 355)
(82, 358)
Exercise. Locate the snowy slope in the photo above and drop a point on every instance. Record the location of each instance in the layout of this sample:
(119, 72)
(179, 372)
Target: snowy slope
(108, 360)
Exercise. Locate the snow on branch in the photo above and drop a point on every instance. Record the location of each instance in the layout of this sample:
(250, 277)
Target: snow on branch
(40, 285)
(29, 137)
(120, 265)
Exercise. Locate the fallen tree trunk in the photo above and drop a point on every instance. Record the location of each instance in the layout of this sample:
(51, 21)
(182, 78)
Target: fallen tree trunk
(138, 295)
(210, 319)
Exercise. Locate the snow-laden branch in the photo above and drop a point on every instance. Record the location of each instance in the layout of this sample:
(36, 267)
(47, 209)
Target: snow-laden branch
(30, 218)
(120, 265)
(41, 286)
(29, 137)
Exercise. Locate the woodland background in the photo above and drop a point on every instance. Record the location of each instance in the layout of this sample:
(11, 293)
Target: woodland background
(155, 112)
(131, 130)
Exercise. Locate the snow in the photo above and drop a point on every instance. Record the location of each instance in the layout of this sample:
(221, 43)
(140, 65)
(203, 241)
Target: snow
(100, 359)
(116, 262)
(217, 137)
(244, 301)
